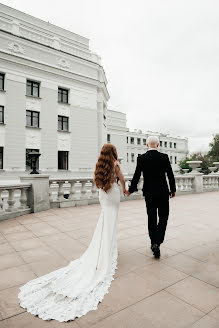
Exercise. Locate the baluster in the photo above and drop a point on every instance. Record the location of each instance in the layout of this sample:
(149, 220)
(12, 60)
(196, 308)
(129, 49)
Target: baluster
(1, 202)
(11, 200)
(51, 184)
(94, 191)
(23, 198)
(72, 190)
(60, 191)
(83, 190)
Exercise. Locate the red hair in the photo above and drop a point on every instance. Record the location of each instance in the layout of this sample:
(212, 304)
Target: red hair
(104, 167)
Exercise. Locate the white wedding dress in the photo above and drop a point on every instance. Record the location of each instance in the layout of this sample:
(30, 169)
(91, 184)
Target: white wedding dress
(76, 289)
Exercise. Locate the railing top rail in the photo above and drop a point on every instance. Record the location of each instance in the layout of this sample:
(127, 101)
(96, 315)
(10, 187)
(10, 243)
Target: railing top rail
(15, 186)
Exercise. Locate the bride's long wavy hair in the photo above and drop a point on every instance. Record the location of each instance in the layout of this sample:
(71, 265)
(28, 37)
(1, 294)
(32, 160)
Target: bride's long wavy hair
(104, 167)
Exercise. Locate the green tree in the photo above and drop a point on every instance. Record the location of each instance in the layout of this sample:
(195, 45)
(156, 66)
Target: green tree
(214, 150)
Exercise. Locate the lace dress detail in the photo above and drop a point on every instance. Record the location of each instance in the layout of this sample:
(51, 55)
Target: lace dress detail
(77, 288)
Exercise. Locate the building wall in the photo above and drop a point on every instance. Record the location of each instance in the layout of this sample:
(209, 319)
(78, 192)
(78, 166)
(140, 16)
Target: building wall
(35, 50)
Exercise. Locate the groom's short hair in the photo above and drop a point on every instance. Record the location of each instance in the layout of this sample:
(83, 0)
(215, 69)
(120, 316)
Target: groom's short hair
(152, 141)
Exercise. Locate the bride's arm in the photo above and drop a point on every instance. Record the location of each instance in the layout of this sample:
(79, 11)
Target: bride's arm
(120, 176)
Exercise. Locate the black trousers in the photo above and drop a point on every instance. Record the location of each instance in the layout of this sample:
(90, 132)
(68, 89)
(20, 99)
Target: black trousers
(157, 228)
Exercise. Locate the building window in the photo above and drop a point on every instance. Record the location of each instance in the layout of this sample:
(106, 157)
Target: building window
(108, 137)
(29, 165)
(171, 159)
(170, 144)
(175, 160)
(127, 157)
(32, 118)
(144, 142)
(62, 123)
(138, 141)
(63, 95)
(1, 158)
(62, 160)
(33, 88)
(161, 143)
(127, 139)
(132, 140)
(2, 81)
(132, 157)
(174, 145)
(1, 114)
(165, 144)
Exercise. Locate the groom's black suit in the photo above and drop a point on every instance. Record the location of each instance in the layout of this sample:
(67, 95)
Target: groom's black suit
(155, 166)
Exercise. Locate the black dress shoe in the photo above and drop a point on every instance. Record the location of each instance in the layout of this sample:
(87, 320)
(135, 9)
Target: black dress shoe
(156, 251)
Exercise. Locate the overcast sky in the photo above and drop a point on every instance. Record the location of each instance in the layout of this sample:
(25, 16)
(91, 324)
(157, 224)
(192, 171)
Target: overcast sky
(161, 58)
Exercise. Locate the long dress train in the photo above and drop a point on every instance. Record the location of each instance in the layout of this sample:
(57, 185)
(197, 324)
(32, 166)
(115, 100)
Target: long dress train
(77, 288)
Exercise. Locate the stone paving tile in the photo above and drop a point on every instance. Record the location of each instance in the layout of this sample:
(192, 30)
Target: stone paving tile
(184, 263)
(130, 261)
(9, 303)
(41, 229)
(27, 320)
(206, 322)
(64, 245)
(209, 273)
(38, 254)
(166, 311)
(43, 267)
(215, 313)
(10, 260)
(197, 293)
(124, 291)
(200, 253)
(160, 275)
(6, 248)
(15, 276)
(12, 228)
(19, 236)
(25, 244)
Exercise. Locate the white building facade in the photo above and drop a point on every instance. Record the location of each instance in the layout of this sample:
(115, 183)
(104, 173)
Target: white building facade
(130, 144)
(53, 100)
(53, 97)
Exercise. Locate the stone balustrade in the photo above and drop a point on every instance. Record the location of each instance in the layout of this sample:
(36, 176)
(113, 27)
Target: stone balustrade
(39, 192)
(13, 200)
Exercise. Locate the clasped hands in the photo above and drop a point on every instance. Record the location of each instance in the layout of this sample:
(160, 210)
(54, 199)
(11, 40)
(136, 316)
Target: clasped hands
(126, 192)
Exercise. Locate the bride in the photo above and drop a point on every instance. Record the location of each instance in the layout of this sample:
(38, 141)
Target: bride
(76, 289)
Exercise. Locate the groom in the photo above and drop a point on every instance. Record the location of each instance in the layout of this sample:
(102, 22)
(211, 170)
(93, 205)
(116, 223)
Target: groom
(155, 166)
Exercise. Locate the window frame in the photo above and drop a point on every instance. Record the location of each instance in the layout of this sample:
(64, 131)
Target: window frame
(132, 157)
(3, 114)
(62, 123)
(132, 139)
(174, 145)
(60, 92)
(108, 137)
(165, 144)
(31, 118)
(32, 88)
(144, 142)
(61, 160)
(138, 141)
(3, 81)
(2, 157)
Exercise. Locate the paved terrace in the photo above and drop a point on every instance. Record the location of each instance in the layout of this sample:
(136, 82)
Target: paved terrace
(179, 290)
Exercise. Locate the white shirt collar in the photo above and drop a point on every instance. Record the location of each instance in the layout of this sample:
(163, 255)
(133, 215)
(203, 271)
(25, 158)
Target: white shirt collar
(152, 149)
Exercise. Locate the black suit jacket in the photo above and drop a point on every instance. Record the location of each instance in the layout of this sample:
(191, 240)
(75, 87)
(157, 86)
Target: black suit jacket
(155, 166)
